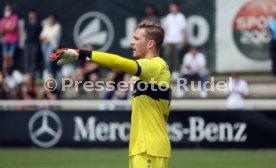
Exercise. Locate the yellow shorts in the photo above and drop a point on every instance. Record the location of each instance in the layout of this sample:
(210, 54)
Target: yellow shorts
(146, 161)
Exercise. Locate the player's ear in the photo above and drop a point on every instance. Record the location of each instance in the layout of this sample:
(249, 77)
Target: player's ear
(151, 43)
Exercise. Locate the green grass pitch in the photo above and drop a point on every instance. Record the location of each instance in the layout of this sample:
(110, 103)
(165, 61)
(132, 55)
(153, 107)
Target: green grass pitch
(118, 158)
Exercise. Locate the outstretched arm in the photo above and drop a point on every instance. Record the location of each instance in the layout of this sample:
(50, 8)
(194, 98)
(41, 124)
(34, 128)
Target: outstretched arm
(105, 59)
(115, 62)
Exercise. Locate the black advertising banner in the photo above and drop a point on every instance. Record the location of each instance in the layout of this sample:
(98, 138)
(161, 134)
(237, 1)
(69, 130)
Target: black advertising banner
(189, 129)
(109, 24)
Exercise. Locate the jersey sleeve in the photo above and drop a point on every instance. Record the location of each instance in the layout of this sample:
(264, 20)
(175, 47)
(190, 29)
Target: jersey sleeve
(143, 68)
(116, 62)
(149, 69)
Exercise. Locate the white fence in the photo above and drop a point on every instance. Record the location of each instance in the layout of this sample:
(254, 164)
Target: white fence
(186, 104)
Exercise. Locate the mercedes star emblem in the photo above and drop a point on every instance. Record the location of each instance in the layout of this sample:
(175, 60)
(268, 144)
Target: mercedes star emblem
(45, 128)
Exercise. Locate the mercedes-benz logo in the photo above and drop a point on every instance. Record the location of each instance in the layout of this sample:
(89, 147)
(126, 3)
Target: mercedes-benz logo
(45, 128)
(94, 28)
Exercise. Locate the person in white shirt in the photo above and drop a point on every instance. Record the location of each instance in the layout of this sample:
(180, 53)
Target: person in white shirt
(50, 38)
(175, 26)
(194, 68)
(237, 91)
(13, 83)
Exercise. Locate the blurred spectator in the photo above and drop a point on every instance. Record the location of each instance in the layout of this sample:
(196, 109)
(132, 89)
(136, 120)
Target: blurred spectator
(122, 92)
(114, 76)
(79, 73)
(87, 71)
(32, 46)
(272, 29)
(150, 12)
(13, 83)
(31, 92)
(9, 30)
(90, 70)
(237, 91)
(3, 94)
(175, 26)
(1, 77)
(50, 95)
(31, 89)
(194, 68)
(50, 38)
(68, 71)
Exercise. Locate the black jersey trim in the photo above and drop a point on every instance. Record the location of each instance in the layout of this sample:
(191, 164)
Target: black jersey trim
(155, 92)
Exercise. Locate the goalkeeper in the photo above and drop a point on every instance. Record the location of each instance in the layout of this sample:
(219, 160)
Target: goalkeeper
(149, 145)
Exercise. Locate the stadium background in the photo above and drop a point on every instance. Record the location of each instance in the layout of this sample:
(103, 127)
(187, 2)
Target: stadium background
(198, 124)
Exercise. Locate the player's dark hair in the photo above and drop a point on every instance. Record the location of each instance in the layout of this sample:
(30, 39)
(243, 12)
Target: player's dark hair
(154, 31)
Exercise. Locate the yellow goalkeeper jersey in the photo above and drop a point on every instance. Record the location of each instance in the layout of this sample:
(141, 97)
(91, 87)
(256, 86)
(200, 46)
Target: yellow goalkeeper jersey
(150, 102)
(150, 109)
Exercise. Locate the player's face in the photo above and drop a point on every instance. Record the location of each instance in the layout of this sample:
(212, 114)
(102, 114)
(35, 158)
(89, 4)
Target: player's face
(139, 44)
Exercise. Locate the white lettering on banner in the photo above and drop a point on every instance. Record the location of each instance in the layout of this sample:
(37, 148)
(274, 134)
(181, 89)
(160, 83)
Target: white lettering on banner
(101, 131)
(253, 29)
(203, 30)
(196, 39)
(197, 131)
(250, 22)
(254, 37)
(197, 128)
(82, 131)
(240, 127)
(175, 131)
(216, 132)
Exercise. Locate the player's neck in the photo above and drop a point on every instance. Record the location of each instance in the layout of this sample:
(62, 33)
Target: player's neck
(151, 54)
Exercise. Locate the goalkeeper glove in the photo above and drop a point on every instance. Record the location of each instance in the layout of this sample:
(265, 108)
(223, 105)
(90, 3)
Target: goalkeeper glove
(67, 55)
